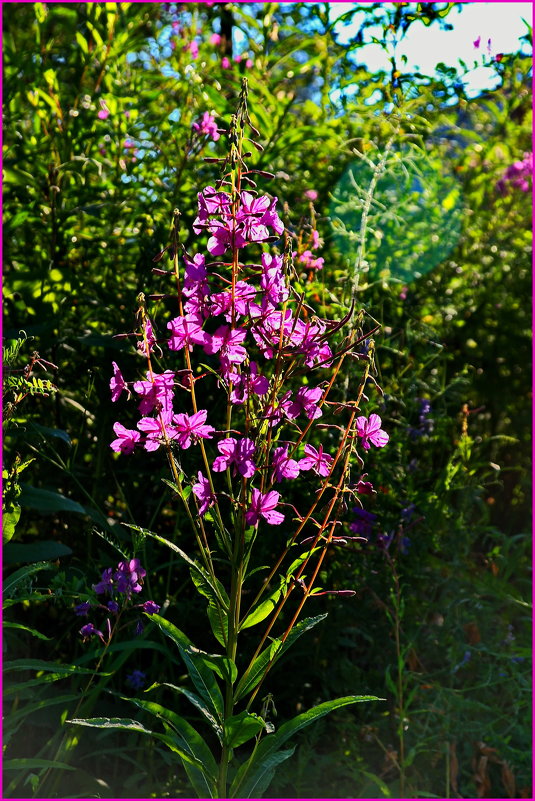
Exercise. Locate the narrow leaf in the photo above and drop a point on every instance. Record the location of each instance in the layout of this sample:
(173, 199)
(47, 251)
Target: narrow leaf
(242, 727)
(201, 676)
(253, 772)
(203, 779)
(272, 653)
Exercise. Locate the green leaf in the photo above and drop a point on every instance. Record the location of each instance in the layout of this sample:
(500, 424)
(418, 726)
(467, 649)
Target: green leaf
(199, 704)
(35, 551)
(222, 665)
(16, 717)
(35, 764)
(203, 779)
(263, 609)
(201, 676)
(218, 623)
(51, 432)
(47, 501)
(272, 653)
(216, 587)
(34, 632)
(242, 727)
(82, 42)
(252, 773)
(21, 575)
(41, 665)
(9, 522)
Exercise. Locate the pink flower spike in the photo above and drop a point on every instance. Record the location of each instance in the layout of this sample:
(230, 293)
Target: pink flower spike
(264, 506)
(371, 431)
(126, 439)
(117, 383)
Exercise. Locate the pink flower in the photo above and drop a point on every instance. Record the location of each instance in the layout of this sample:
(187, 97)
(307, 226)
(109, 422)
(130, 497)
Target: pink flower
(206, 126)
(151, 339)
(215, 39)
(193, 49)
(247, 382)
(477, 43)
(311, 194)
(236, 452)
(156, 392)
(117, 383)
(371, 431)
(227, 341)
(126, 439)
(192, 427)
(283, 466)
(155, 430)
(248, 63)
(306, 401)
(187, 332)
(103, 114)
(263, 506)
(365, 487)
(225, 63)
(316, 460)
(202, 491)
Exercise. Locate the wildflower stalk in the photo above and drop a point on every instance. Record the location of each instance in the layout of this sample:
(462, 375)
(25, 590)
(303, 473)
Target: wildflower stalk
(254, 453)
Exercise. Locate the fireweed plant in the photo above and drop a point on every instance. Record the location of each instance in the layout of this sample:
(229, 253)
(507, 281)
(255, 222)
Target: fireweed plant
(242, 311)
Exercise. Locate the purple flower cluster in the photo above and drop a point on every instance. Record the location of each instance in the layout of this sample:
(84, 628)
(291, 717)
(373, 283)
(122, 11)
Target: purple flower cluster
(121, 583)
(518, 176)
(425, 423)
(252, 327)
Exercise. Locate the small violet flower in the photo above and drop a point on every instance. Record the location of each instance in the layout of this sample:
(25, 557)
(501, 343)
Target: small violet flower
(89, 630)
(82, 609)
(283, 466)
(150, 607)
(136, 679)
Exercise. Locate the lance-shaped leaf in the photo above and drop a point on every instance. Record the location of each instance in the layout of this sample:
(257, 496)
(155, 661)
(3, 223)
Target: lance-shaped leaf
(127, 724)
(199, 704)
(215, 586)
(272, 653)
(252, 774)
(216, 610)
(201, 675)
(242, 727)
(203, 779)
(222, 665)
(260, 612)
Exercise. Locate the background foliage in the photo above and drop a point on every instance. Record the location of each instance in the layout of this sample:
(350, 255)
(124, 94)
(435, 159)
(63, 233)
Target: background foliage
(99, 100)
